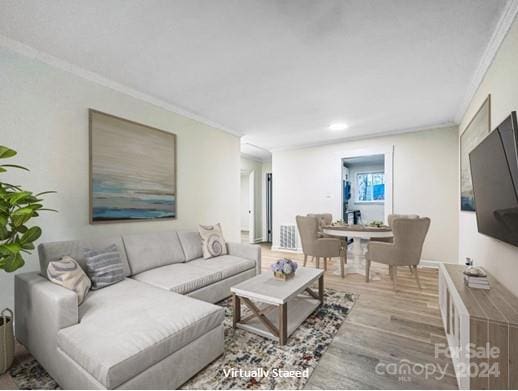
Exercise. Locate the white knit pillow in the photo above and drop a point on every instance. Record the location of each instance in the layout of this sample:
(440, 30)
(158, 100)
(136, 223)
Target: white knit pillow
(213, 243)
(67, 273)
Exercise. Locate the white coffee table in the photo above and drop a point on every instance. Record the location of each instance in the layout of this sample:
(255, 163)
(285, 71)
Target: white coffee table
(287, 303)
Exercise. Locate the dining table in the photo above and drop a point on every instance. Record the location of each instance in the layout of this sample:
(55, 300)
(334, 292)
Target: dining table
(361, 234)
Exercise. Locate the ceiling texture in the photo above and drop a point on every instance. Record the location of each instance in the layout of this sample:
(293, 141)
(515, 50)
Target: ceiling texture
(276, 72)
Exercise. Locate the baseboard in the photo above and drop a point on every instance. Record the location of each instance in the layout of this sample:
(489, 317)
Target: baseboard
(430, 263)
(295, 250)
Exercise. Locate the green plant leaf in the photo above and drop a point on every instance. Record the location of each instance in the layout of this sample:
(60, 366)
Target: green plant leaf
(15, 187)
(22, 229)
(46, 192)
(17, 206)
(22, 215)
(4, 233)
(31, 235)
(27, 246)
(6, 152)
(18, 198)
(13, 263)
(48, 209)
(10, 249)
(15, 166)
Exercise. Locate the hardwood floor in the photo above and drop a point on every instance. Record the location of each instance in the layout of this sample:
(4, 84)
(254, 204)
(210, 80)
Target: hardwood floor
(383, 329)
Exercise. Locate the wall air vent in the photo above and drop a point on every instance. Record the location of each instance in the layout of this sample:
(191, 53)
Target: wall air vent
(288, 239)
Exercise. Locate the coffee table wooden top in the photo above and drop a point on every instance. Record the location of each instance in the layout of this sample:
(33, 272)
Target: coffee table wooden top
(265, 288)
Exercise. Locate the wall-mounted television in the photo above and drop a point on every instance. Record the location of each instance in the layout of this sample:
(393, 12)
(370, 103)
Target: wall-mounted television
(494, 173)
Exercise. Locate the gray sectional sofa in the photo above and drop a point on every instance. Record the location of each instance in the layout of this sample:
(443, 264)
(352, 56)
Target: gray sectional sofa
(153, 330)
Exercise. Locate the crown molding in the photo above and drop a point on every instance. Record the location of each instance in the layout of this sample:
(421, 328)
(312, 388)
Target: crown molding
(502, 28)
(443, 125)
(259, 157)
(30, 52)
(253, 158)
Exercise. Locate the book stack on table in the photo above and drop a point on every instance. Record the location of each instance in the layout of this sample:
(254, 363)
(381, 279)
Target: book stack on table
(480, 282)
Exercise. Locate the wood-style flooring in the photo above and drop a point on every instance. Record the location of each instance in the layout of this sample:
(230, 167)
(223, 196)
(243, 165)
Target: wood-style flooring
(384, 329)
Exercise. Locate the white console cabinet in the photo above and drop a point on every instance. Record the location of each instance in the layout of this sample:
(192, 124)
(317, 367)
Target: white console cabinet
(482, 331)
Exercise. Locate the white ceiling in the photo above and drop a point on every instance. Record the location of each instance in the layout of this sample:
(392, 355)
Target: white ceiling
(277, 72)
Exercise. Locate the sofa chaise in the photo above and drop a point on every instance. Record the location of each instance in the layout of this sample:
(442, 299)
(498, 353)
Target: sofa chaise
(153, 330)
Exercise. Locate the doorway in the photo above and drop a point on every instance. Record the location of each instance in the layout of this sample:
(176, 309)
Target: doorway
(366, 187)
(247, 211)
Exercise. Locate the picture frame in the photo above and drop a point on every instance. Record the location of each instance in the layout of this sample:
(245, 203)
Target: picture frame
(477, 130)
(132, 171)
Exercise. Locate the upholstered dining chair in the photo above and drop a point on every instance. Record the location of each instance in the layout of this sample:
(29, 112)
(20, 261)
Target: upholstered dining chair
(316, 246)
(324, 219)
(390, 219)
(405, 250)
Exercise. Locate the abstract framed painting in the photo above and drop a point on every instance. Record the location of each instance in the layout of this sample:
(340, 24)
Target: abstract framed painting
(476, 131)
(132, 171)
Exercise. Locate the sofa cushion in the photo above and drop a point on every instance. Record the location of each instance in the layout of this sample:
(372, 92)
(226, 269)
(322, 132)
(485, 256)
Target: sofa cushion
(191, 244)
(151, 250)
(67, 273)
(128, 327)
(104, 267)
(180, 277)
(227, 265)
(213, 243)
(54, 251)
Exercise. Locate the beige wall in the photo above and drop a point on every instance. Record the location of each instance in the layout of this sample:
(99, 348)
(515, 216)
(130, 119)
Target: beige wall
(425, 176)
(501, 81)
(44, 116)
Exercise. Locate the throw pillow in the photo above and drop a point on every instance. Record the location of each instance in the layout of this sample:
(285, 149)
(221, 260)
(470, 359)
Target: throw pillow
(104, 267)
(67, 273)
(213, 244)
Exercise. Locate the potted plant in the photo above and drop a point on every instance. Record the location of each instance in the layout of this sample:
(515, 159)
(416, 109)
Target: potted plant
(284, 269)
(17, 208)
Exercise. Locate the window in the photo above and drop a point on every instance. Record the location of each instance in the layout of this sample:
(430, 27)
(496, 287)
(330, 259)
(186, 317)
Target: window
(370, 187)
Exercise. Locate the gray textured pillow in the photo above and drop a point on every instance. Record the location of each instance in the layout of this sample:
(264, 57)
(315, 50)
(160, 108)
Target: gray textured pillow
(67, 273)
(213, 243)
(104, 267)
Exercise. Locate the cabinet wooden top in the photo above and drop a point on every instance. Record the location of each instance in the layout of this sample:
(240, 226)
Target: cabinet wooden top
(497, 304)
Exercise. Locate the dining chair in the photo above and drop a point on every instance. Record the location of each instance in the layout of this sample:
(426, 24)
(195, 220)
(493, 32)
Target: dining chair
(324, 219)
(390, 219)
(405, 250)
(316, 246)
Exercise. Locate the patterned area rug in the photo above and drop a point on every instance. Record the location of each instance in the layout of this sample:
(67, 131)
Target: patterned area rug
(250, 361)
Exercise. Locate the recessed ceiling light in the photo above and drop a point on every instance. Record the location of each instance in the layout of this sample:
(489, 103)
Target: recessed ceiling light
(338, 126)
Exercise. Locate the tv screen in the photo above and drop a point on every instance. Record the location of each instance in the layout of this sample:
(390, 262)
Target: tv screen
(494, 173)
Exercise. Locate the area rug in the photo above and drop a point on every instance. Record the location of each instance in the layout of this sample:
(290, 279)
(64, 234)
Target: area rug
(250, 361)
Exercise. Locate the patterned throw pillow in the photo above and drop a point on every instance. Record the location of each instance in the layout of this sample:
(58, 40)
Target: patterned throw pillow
(213, 244)
(67, 273)
(104, 267)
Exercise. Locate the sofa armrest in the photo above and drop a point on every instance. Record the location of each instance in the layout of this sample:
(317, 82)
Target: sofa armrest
(247, 251)
(42, 309)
